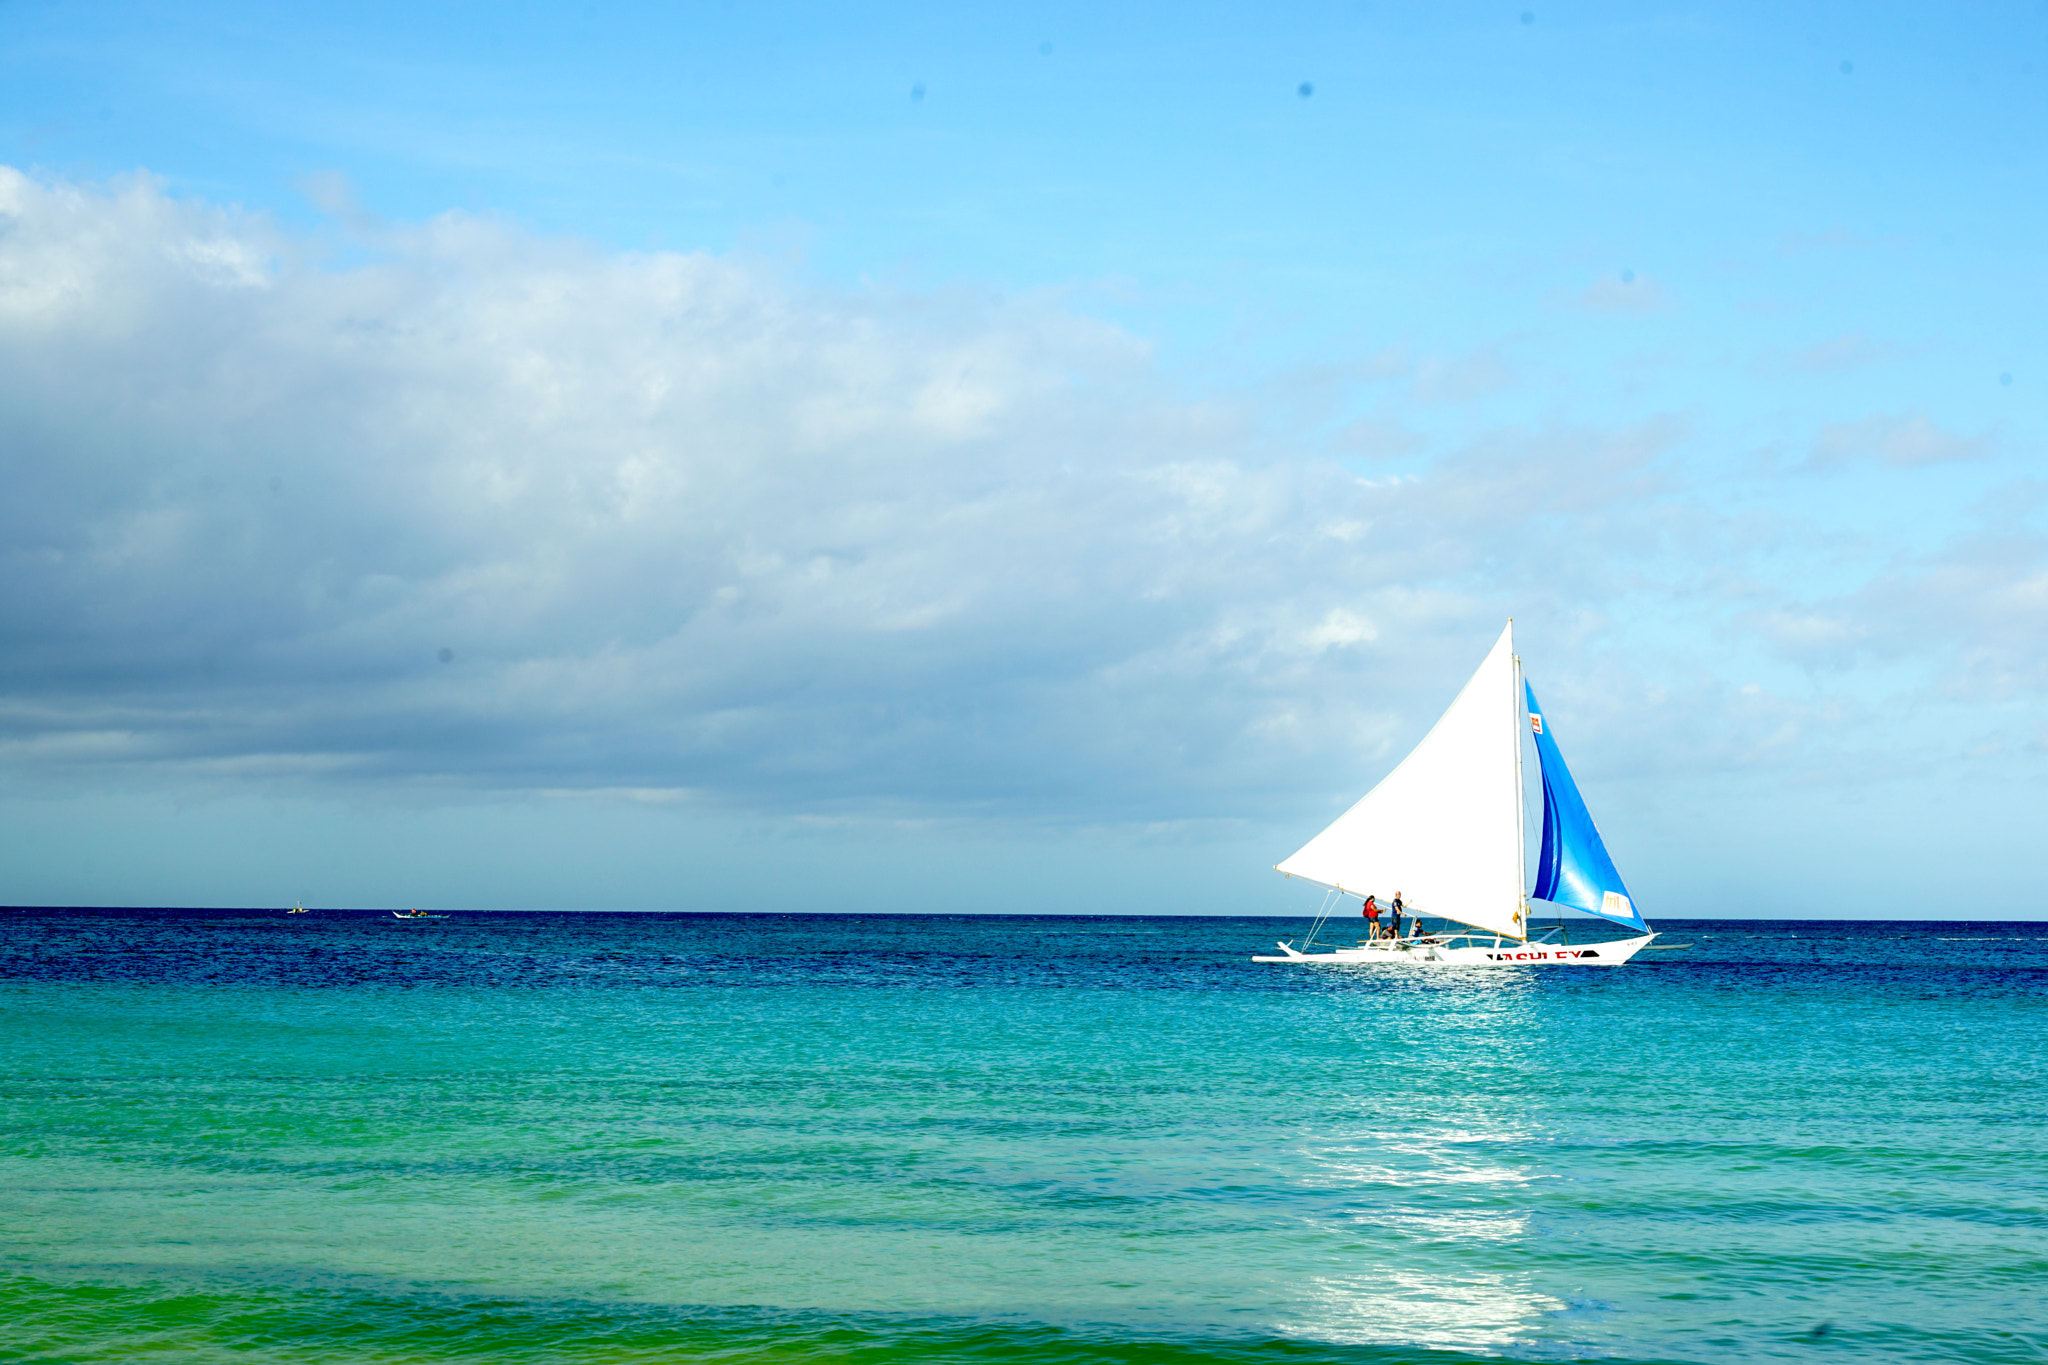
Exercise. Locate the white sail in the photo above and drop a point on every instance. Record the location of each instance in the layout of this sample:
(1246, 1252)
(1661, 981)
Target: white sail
(1445, 828)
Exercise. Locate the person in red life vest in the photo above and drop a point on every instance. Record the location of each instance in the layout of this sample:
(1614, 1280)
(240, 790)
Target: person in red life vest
(1372, 917)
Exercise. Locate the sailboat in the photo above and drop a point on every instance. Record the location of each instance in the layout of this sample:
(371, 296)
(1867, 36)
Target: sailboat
(298, 908)
(1445, 832)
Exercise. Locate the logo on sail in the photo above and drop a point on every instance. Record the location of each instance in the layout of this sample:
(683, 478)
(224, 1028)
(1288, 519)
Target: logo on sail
(1536, 721)
(1614, 903)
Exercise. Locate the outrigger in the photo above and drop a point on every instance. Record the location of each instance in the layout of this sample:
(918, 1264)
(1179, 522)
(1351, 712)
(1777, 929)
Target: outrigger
(1472, 948)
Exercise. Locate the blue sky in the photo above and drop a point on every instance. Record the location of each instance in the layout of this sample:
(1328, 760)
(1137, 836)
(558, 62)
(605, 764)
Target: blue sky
(889, 458)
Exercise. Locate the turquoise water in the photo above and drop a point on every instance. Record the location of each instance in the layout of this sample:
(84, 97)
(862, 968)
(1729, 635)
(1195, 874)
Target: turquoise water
(340, 1137)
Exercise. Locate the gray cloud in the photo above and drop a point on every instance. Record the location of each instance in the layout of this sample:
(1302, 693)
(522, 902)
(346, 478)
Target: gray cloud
(676, 524)
(504, 513)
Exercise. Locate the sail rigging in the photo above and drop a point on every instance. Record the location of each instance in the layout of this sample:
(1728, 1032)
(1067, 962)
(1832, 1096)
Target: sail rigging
(1573, 867)
(1444, 829)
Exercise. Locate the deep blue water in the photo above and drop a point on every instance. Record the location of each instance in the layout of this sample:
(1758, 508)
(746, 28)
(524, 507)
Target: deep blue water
(342, 1137)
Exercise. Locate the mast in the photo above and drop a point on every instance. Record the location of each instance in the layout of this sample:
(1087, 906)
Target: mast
(1521, 815)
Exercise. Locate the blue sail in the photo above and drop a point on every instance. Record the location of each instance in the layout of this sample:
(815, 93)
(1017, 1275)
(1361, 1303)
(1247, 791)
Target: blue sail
(1573, 869)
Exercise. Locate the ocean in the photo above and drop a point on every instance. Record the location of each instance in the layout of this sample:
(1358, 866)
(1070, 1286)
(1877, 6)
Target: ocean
(340, 1137)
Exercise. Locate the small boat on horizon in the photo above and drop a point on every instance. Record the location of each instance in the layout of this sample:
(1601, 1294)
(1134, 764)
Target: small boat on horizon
(297, 909)
(1445, 832)
(414, 914)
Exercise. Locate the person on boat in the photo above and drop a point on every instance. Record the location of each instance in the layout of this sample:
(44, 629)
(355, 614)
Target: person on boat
(1396, 907)
(1372, 917)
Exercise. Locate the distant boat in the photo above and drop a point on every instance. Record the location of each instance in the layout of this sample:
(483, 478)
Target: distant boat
(297, 909)
(1445, 833)
(414, 914)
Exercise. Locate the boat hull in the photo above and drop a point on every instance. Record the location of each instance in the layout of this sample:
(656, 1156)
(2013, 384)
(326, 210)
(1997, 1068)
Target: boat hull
(1408, 953)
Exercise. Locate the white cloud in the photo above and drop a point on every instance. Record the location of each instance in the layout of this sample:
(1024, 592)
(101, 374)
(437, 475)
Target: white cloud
(1903, 441)
(1623, 292)
(1377, 438)
(1340, 628)
(515, 514)
(1836, 355)
(675, 522)
(1462, 379)
(1974, 610)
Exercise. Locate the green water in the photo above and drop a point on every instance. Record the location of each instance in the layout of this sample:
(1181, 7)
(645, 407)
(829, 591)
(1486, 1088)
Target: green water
(606, 1138)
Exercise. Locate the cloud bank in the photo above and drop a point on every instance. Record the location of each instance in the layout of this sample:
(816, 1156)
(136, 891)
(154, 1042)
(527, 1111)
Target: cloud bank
(463, 507)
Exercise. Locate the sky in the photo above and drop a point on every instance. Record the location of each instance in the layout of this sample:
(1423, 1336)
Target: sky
(893, 458)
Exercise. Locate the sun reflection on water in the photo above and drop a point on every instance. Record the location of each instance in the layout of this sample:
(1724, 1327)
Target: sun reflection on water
(1424, 1168)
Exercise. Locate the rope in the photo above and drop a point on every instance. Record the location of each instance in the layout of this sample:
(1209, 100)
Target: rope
(1322, 916)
